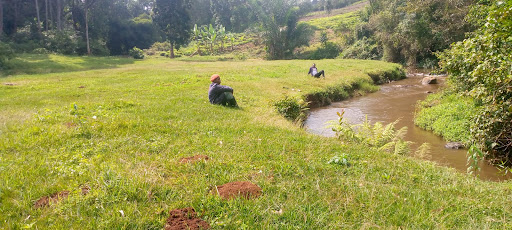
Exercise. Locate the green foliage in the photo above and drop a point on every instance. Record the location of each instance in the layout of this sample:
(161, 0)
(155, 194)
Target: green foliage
(6, 53)
(292, 108)
(448, 115)
(382, 137)
(381, 77)
(410, 31)
(63, 42)
(328, 50)
(362, 49)
(282, 32)
(173, 18)
(124, 35)
(480, 67)
(137, 53)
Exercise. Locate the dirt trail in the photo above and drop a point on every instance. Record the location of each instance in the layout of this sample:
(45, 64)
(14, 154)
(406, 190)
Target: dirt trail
(348, 9)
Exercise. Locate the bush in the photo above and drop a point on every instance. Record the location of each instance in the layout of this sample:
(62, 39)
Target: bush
(6, 53)
(328, 50)
(137, 53)
(480, 68)
(63, 42)
(291, 108)
(362, 49)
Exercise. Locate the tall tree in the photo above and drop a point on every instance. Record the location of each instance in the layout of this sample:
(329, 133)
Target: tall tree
(1, 18)
(282, 33)
(38, 17)
(59, 14)
(46, 14)
(87, 5)
(174, 19)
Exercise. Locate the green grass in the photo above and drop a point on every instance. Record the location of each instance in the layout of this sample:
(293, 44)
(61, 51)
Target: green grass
(333, 22)
(131, 124)
(50, 63)
(448, 115)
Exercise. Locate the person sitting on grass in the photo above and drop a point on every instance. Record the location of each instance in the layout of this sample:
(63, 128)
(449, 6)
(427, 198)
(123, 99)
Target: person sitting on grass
(220, 94)
(314, 72)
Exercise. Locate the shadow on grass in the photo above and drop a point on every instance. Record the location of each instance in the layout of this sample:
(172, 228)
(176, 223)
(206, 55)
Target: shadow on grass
(49, 63)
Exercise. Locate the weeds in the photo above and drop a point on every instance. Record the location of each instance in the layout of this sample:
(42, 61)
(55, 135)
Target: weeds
(378, 136)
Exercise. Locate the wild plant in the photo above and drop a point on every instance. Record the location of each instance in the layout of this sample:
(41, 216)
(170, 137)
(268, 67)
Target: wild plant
(382, 137)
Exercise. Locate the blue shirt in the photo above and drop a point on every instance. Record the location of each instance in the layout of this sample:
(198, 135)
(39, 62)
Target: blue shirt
(216, 90)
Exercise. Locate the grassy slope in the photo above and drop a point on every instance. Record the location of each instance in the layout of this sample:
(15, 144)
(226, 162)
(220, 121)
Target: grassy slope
(153, 112)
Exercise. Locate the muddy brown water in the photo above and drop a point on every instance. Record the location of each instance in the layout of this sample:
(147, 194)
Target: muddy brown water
(394, 101)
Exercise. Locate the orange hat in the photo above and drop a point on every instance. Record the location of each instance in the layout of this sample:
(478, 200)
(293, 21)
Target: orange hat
(214, 77)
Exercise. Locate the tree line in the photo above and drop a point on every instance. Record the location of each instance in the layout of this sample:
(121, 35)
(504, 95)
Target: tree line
(113, 27)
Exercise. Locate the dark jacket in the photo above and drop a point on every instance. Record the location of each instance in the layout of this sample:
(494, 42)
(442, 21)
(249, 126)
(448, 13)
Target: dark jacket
(216, 91)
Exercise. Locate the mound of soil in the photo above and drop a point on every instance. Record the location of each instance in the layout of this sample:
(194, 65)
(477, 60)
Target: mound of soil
(236, 189)
(193, 159)
(54, 198)
(85, 189)
(184, 219)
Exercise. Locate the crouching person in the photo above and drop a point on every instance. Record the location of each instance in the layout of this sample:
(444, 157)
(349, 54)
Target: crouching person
(220, 94)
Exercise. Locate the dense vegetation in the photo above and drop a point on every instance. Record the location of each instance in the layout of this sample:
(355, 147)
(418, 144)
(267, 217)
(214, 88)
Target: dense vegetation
(480, 68)
(119, 126)
(114, 27)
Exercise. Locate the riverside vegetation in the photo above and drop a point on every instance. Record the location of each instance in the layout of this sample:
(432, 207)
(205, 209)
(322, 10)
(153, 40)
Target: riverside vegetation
(120, 131)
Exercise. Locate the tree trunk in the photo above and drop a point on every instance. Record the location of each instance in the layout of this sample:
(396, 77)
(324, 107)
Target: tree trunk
(38, 18)
(59, 15)
(1, 18)
(46, 14)
(87, 28)
(171, 53)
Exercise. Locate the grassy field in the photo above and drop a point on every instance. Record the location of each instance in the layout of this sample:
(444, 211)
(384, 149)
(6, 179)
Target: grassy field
(120, 127)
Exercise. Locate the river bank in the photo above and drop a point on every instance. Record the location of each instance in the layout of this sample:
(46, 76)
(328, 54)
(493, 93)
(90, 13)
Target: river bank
(122, 134)
(397, 101)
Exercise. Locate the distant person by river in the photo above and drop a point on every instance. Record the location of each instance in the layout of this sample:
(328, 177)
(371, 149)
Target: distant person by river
(315, 73)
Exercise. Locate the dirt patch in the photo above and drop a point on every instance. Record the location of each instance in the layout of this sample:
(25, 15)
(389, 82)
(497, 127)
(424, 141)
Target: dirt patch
(236, 189)
(185, 218)
(70, 125)
(51, 199)
(85, 189)
(194, 159)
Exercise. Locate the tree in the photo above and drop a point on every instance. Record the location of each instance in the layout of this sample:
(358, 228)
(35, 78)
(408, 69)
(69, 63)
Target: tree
(1, 18)
(38, 18)
(282, 33)
(174, 19)
(87, 5)
(480, 67)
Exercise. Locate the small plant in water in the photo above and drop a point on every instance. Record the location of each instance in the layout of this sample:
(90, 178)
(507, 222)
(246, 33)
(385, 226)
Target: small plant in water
(379, 136)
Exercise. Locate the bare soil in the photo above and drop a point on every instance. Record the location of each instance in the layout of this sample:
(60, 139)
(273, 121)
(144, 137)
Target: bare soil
(51, 199)
(194, 159)
(185, 218)
(243, 189)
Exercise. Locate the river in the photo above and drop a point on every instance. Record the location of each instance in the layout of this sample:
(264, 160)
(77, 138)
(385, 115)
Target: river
(393, 101)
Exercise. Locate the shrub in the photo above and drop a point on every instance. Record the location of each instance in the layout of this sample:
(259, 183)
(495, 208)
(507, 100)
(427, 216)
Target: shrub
(328, 50)
(6, 53)
(291, 108)
(362, 49)
(480, 67)
(382, 137)
(137, 53)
